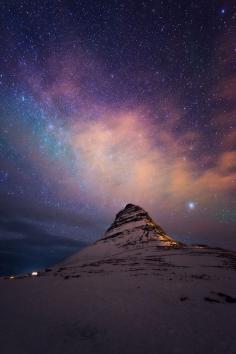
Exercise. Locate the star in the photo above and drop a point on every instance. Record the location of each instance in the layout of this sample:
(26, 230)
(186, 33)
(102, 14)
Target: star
(191, 205)
(50, 126)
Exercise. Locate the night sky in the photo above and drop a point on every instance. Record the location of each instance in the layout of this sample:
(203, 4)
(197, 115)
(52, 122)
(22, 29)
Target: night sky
(103, 103)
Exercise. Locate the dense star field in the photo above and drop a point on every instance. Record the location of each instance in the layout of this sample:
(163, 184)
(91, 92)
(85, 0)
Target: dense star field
(109, 102)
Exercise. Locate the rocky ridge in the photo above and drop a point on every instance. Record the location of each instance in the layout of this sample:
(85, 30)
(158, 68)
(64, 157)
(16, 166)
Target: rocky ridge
(133, 225)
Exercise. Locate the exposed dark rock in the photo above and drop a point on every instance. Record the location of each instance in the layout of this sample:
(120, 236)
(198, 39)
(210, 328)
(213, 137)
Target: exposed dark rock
(131, 219)
(209, 299)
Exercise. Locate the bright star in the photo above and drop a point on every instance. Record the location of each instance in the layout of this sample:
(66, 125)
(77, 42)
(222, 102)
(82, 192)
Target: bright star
(191, 205)
(222, 11)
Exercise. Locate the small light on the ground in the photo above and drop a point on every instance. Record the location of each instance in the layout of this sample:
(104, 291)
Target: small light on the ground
(34, 274)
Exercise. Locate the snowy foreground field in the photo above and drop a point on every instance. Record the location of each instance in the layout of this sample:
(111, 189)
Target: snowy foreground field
(136, 290)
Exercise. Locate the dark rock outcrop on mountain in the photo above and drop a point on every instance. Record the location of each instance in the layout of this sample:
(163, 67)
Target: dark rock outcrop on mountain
(134, 225)
(129, 214)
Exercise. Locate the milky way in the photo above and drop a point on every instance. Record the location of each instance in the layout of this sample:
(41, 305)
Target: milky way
(105, 104)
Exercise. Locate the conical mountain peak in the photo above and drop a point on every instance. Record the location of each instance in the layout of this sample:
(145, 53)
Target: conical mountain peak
(134, 225)
(132, 229)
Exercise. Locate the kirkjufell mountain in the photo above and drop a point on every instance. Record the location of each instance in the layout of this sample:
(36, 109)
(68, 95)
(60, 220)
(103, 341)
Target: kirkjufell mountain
(133, 225)
(135, 290)
(132, 229)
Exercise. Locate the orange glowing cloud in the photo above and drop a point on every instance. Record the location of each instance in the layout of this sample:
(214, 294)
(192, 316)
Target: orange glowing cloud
(123, 158)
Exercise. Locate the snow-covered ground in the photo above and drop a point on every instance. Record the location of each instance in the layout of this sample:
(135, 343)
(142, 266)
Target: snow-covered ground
(134, 291)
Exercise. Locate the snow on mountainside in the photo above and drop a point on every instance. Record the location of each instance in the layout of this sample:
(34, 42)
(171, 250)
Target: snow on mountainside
(135, 290)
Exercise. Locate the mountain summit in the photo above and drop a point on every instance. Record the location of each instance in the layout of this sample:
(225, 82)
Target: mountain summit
(133, 225)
